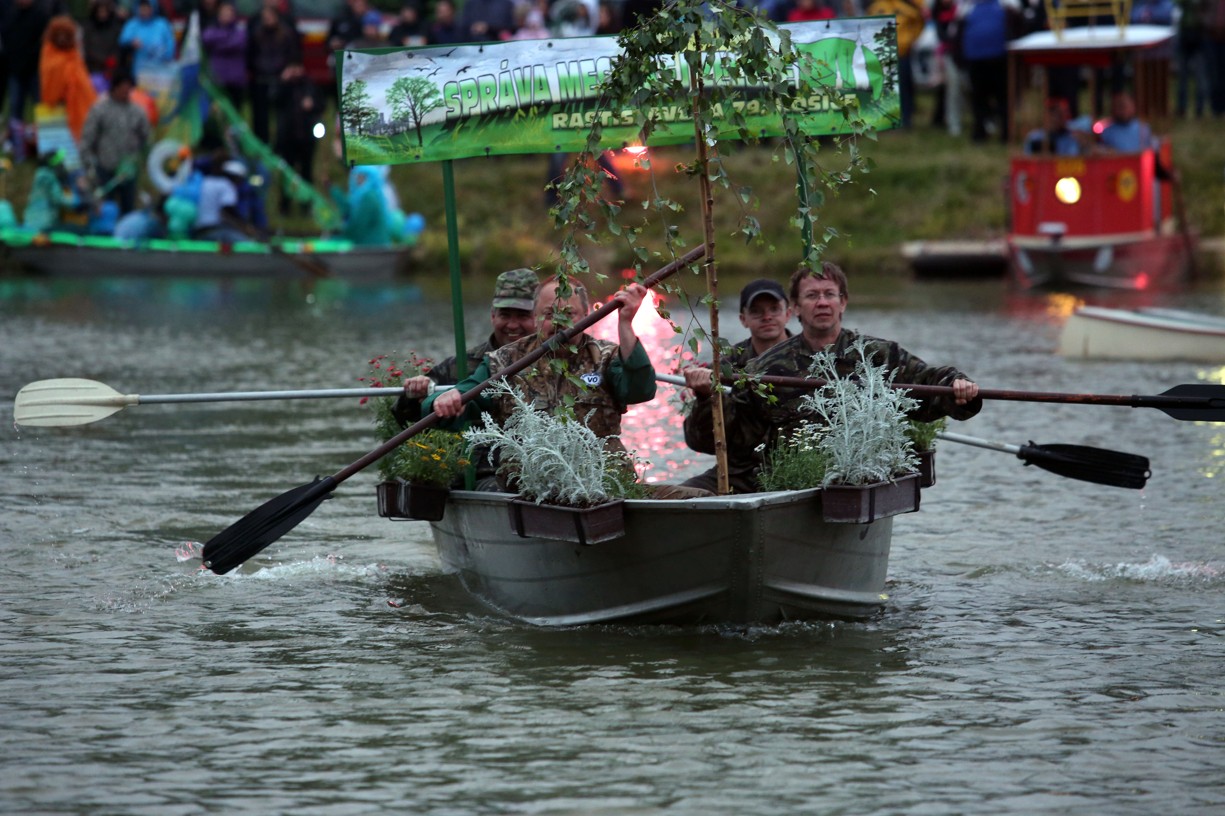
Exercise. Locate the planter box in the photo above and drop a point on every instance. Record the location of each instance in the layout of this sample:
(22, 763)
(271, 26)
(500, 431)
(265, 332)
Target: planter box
(927, 468)
(579, 525)
(863, 503)
(401, 500)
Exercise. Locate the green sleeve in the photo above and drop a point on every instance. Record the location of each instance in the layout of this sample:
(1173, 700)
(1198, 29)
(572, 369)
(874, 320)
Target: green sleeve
(472, 411)
(632, 381)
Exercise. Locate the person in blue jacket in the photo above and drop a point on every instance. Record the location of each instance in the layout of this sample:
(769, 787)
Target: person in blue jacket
(150, 38)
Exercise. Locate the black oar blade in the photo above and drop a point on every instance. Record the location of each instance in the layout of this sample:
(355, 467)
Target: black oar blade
(264, 525)
(1212, 397)
(1096, 465)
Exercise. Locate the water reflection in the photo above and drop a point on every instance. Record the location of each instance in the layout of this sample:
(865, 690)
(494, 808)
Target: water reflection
(652, 428)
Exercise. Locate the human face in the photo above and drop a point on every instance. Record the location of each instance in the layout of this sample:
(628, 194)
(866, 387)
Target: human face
(819, 306)
(549, 308)
(511, 324)
(766, 319)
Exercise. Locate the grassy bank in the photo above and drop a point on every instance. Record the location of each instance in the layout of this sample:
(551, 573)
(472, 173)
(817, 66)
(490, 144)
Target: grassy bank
(924, 184)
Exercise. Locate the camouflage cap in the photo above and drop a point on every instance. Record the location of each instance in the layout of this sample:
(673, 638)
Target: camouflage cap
(516, 289)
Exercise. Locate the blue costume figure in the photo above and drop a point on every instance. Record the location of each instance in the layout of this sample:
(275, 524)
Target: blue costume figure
(50, 193)
(366, 215)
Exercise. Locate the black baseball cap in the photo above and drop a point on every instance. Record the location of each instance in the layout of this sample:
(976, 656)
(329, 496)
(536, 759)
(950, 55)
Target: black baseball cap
(761, 286)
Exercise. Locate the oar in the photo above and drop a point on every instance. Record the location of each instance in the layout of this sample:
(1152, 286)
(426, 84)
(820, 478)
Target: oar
(1097, 465)
(268, 522)
(73, 401)
(1195, 402)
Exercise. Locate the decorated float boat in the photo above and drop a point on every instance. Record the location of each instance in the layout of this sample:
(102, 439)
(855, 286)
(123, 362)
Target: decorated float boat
(1144, 334)
(745, 559)
(68, 255)
(1098, 219)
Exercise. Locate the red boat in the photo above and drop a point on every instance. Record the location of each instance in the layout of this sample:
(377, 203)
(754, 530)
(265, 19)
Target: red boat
(1102, 219)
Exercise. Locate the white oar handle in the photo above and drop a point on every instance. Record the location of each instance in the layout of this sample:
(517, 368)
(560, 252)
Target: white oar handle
(677, 379)
(979, 443)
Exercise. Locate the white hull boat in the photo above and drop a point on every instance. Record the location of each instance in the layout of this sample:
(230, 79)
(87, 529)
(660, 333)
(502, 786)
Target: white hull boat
(1144, 334)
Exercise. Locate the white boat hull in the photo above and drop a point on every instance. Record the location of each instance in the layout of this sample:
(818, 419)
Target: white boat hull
(1157, 334)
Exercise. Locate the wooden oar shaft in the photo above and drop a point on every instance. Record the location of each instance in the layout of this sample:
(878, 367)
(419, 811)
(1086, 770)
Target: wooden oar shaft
(559, 339)
(1132, 401)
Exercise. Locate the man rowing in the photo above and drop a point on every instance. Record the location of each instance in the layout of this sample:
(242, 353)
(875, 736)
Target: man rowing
(596, 379)
(764, 311)
(819, 298)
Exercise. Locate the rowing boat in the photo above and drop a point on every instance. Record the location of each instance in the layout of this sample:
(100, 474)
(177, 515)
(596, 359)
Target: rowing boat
(1143, 334)
(68, 255)
(755, 558)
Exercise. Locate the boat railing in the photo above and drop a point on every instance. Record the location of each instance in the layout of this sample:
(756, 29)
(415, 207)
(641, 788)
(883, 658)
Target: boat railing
(1058, 12)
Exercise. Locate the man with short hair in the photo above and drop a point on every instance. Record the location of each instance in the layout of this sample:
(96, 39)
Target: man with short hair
(115, 133)
(1126, 132)
(764, 311)
(754, 422)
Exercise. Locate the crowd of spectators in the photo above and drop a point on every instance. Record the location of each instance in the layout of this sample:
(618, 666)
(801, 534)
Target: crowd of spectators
(258, 61)
(252, 59)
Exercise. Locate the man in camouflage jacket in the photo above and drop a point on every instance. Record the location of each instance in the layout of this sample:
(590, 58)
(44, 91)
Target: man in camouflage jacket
(754, 422)
(600, 379)
(510, 316)
(764, 311)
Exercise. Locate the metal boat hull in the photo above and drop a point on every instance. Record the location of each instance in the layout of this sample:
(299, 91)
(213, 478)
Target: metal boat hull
(759, 558)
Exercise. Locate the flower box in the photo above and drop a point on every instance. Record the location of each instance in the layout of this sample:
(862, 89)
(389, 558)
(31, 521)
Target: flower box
(927, 467)
(404, 500)
(578, 525)
(864, 503)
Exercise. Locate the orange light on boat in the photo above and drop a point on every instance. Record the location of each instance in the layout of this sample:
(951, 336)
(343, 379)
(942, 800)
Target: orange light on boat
(1067, 190)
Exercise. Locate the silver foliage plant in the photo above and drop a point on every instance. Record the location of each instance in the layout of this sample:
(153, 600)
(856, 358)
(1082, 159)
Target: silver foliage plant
(558, 459)
(864, 437)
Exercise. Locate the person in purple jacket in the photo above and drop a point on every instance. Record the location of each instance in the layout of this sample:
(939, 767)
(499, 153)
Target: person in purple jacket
(225, 45)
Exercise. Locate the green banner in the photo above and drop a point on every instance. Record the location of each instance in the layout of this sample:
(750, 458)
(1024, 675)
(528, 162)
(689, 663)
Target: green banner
(404, 105)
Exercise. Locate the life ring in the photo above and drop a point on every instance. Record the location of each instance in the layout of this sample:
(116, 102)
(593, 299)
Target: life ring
(169, 165)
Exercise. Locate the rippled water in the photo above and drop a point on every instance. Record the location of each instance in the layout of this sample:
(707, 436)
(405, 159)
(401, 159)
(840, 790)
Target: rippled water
(1049, 646)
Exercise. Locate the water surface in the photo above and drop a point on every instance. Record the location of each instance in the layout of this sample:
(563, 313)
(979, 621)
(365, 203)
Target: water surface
(1049, 646)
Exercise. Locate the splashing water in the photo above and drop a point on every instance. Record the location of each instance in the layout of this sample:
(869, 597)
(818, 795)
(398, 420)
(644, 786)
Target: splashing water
(1157, 569)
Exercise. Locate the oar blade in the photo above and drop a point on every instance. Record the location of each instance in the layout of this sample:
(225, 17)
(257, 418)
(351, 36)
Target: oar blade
(264, 525)
(1096, 465)
(1211, 397)
(66, 401)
